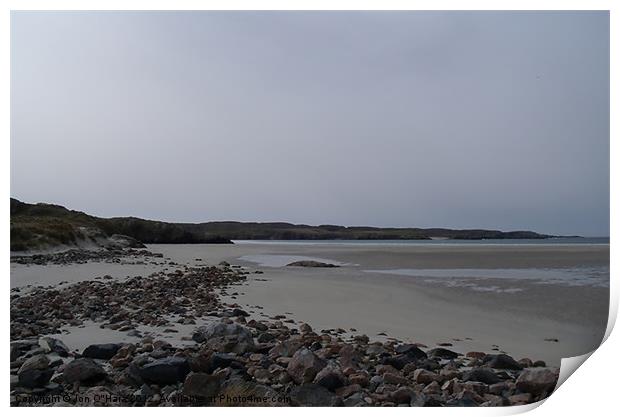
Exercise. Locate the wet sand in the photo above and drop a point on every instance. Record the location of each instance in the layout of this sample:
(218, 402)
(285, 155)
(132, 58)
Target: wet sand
(402, 307)
(413, 310)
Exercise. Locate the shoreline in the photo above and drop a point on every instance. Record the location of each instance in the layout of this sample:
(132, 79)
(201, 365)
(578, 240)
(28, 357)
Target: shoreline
(228, 351)
(347, 307)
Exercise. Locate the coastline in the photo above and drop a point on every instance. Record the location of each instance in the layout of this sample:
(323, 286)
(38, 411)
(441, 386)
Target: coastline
(346, 306)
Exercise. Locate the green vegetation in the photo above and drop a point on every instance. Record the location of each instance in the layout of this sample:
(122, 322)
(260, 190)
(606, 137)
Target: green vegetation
(37, 226)
(42, 226)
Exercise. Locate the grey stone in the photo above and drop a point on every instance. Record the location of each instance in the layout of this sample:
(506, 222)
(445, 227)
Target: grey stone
(83, 370)
(101, 351)
(165, 371)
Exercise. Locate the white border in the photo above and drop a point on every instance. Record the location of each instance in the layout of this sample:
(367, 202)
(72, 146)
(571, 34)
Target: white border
(593, 390)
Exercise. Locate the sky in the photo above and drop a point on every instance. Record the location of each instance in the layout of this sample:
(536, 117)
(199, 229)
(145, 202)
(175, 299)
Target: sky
(495, 120)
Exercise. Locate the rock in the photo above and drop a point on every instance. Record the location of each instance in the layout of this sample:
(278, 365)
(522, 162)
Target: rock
(236, 392)
(499, 388)
(491, 400)
(51, 345)
(304, 366)
(312, 264)
(422, 376)
(286, 348)
(348, 357)
(475, 355)
(97, 397)
(38, 362)
(83, 370)
(360, 378)
(501, 361)
(305, 328)
(103, 351)
(484, 375)
(34, 372)
(224, 263)
(348, 390)
(432, 388)
(392, 378)
(330, 377)
(402, 395)
(375, 349)
(225, 337)
(375, 381)
(466, 399)
(165, 371)
(18, 349)
(265, 337)
(237, 312)
(313, 395)
(398, 361)
(520, 399)
(411, 350)
(356, 400)
(220, 360)
(537, 381)
(201, 385)
(443, 353)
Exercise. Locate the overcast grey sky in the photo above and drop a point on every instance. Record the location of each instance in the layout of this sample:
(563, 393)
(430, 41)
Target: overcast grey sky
(450, 119)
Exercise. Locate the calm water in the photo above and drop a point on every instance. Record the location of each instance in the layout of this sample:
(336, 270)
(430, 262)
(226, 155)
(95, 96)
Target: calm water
(455, 242)
(597, 276)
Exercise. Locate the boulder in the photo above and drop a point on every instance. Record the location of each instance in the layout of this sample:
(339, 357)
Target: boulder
(501, 361)
(34, 372)
(402, 395)
(313, 395)
(484, 375)
(265, 337)
(443, 353)
(165, 371)
(286, 348)
(375, 349)
(225, 337)
(51, 345)
(330, 377)
(239, 392)
(201, 385)
(97, 397)
(103, 351)
(411, 350)
(237, 312)
(348, 357)
(475, 355)
(312, 264)
(520, 399)
(399, 361)
(83, 370)
(538, 381)
(348, 390)
(422, 376)
(304, 366)
(220, 360)
(395, 379)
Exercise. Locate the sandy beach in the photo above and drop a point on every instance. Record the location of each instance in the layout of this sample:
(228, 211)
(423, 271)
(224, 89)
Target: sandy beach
(532, 318)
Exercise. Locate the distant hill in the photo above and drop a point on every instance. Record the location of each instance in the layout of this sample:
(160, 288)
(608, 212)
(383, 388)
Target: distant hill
(45, 226)
(40, 226)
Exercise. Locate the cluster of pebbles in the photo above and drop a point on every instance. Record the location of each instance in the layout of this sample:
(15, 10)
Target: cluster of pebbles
(236, 360)
(82, 256)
